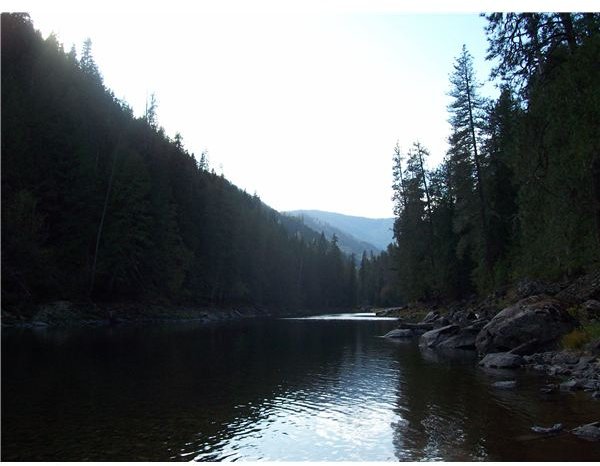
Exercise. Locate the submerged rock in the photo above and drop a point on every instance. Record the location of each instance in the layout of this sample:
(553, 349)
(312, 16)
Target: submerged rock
(538, 319)
(501, 361)
(571, 385)
(548, 430)
(399, 333)
(549, 388)
(505, 384)
(588, 431)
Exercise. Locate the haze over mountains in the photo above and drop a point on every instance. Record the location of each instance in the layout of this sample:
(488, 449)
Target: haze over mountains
(355, 234)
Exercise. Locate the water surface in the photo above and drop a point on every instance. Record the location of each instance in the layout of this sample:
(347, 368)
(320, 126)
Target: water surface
(322, 388)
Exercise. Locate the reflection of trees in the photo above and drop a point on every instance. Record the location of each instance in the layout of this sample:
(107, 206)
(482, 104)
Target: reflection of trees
(153, 392)
(146, 392)
(444, 406)
(452, 412)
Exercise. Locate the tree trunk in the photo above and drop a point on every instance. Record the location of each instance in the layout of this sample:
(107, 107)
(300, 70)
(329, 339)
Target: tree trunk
(428, 198)
(567, 23)
(103, 216)
(478, 175)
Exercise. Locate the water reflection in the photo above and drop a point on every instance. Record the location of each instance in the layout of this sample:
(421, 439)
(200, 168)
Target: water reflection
(454, 413)
(298, 389)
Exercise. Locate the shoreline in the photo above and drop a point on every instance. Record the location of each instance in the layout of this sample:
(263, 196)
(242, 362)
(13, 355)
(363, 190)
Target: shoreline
(551, 328)
(68, 314)
(62, 314)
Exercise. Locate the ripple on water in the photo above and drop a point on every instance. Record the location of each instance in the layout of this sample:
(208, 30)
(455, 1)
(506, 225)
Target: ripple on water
(319, 390)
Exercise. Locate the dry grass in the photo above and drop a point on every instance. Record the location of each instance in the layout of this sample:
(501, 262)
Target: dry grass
(579, 337)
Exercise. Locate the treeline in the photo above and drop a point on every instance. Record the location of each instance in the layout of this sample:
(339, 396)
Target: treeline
(100, 205)
(518, 193)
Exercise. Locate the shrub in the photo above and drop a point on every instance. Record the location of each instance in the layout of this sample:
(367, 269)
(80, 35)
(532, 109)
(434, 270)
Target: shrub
(580, 336)
(575, 339)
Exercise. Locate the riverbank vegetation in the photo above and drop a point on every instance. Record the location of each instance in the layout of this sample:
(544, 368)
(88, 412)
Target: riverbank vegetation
(518, 193)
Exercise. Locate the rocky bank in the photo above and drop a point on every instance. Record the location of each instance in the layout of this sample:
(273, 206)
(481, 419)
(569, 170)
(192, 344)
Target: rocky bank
(67, 313)
(532, 326)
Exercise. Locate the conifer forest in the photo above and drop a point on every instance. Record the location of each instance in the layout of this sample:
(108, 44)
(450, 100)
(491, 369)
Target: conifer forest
(101, 206)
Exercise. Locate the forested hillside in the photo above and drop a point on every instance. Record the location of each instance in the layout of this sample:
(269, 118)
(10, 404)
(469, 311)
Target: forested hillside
(518, 193)
(375, 231)
(100, 205)
(348, 243)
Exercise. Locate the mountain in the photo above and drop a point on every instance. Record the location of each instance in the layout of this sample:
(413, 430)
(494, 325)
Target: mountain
(347, 243)
(361, 232)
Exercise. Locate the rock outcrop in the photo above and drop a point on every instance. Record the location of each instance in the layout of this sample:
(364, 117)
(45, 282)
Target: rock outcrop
(538, 319)
(583, 289)
(501, 361)
(588, 431)
(433, 338)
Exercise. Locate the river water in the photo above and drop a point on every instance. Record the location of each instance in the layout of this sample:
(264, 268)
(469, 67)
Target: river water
(319, 389)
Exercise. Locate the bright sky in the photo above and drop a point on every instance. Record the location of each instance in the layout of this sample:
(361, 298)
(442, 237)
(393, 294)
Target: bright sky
(301, 103)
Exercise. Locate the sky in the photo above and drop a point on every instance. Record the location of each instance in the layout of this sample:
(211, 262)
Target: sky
(299, 102)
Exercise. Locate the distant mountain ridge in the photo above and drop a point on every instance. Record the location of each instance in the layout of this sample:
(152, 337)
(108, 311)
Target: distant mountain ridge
(356, 233)
(347, 243)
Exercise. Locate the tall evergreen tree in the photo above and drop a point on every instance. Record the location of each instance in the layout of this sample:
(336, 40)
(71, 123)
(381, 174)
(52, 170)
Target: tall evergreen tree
(87, 62)
(467, 123)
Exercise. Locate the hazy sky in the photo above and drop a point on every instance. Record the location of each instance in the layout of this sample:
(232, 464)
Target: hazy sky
(302, 105)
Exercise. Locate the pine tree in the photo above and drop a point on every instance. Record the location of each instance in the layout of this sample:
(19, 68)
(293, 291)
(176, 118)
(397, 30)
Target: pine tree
(523, 43)
(87, 62)
(467, 123)
(399, 196)
(150, 113)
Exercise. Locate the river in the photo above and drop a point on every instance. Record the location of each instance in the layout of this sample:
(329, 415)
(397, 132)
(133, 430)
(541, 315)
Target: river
(320, 389)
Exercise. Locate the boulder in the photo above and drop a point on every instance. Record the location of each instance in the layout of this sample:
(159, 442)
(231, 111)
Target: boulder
(571, 385)
(588, 431)
(431, 316)
(441, 322)
(593, 347)
(487, 312)
(526, 348)
(433, 338)
(583, 289)
(592, 309)
(416, 328)
(502, 360)
(399, 333)
(461, 316)
(464, 339)
(537, 317)
(477, 324)
(526, 288)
